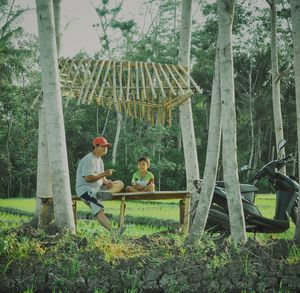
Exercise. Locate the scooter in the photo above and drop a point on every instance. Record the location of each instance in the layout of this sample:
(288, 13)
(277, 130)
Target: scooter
(287, 199)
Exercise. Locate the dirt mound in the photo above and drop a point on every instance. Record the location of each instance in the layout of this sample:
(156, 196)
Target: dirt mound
(156, 263)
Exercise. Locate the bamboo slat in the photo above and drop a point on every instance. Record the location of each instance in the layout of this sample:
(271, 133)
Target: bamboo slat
(183, 80)
(115, 87)
(84, 82)
(76, 75)
(137, 87)
(128, 89)
(175, 80)
(144, 92)
(90, 81)
(96, 82)
(103, 82)
(190, 78)
(167, 79)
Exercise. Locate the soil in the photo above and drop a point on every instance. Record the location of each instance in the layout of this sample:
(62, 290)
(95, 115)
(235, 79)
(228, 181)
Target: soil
(168, 266)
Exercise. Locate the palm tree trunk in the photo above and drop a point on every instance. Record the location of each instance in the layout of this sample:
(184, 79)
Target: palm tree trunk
(295, 11)
(212, 158)
(185, 109)
(57, 151)
(275, 80)
(117, 138)
(251, 103)
(230, 166)
(44, 182)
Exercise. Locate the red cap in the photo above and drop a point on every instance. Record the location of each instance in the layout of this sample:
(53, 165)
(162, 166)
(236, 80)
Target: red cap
(101, 141)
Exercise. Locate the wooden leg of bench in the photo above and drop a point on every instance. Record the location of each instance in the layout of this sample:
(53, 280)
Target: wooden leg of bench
(186, 215)
(181, 212)
(74, 205)
(122, 212)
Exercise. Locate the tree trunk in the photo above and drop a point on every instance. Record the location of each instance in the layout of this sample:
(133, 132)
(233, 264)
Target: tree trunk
(295, 11)
(212, 158)
(117, 137)
(8, 143)
(57, 151)
(230, 166)
(57, 17)
(185, 109)
(275, 80)
(251, 103)
(44, 182)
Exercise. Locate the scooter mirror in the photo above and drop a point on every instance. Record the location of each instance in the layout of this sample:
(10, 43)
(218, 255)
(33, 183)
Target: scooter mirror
(245, 168)
(281, 144)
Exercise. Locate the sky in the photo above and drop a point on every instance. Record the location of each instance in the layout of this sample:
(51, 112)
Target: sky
(77, 18)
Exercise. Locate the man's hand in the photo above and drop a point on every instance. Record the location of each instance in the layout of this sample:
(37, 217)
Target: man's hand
(109, 172)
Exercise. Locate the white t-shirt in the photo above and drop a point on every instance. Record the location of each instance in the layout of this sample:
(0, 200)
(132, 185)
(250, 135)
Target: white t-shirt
(89, 165)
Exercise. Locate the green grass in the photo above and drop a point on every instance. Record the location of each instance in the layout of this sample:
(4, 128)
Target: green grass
(148, 215)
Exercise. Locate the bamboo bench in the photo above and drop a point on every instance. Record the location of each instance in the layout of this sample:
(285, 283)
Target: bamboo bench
(123, 197)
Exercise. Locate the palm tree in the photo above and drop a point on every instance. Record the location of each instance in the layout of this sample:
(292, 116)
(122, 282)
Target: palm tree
(11, 56)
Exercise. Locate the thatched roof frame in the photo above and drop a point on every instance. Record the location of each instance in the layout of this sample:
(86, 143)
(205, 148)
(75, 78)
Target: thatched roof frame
(141, 89)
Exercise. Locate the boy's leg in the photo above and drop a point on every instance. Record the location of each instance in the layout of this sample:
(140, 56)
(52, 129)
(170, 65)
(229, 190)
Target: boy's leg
(149, 187)
(131, 189)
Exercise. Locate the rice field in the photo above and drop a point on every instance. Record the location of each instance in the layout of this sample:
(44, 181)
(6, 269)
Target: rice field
(141, 218)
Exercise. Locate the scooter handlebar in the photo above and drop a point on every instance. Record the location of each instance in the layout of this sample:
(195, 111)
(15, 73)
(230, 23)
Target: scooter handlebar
(270, 167)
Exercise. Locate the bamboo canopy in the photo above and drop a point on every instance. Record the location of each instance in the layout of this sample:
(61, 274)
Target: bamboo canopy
(139, 89)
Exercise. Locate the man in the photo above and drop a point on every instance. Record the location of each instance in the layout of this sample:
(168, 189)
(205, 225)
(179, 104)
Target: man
(91, 182)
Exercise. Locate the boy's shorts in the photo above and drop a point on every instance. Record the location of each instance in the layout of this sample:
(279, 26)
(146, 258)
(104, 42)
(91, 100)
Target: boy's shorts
(95, 204)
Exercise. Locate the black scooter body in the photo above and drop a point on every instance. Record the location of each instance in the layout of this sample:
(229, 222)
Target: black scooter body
(287, 196)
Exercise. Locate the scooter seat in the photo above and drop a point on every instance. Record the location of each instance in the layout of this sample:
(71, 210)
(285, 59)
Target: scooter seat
(248, 188)
(262, 224)
(243, 187)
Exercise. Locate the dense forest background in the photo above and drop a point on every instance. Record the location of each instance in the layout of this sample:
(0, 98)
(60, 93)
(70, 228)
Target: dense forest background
(20, 84)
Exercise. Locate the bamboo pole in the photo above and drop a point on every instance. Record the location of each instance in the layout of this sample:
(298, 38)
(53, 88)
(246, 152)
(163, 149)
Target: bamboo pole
(75, 75)
(174, 78)
(85, 77)
(137, 87)
(115, 87)
(128, 89)
(191, 79)
(180, 76)
(159, 80)
(104, 81)
(144, 92)
(90, 80)
(122, 101)
(95, 83)
(154, 96)
(167, 80)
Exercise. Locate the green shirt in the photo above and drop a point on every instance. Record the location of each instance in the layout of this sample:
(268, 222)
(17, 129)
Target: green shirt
(143, 181)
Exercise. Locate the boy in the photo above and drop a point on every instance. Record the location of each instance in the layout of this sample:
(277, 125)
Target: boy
(142, 180)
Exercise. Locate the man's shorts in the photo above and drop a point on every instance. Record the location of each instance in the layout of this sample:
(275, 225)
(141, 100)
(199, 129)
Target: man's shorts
(95, 204)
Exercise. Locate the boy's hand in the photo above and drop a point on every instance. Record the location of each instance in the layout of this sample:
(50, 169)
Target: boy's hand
(139, 187)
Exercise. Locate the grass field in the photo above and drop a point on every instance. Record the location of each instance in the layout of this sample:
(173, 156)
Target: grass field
(142, 218)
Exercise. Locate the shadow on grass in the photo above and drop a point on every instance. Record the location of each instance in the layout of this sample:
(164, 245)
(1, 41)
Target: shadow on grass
(151, 221)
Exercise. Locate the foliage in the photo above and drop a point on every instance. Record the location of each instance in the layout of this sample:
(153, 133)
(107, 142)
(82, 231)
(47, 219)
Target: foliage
(158, 42)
